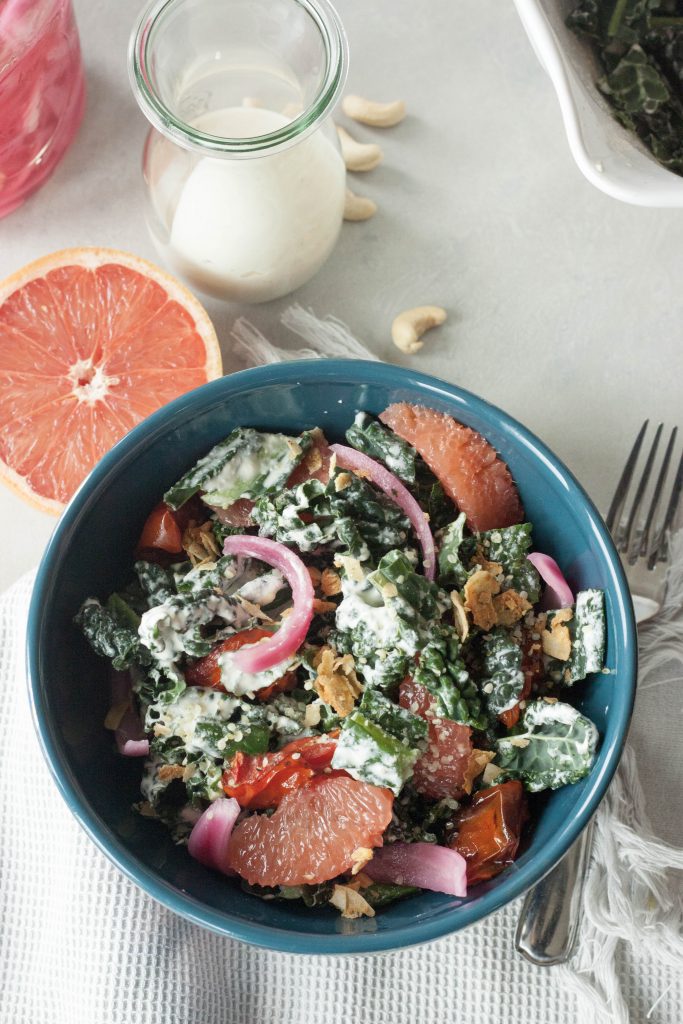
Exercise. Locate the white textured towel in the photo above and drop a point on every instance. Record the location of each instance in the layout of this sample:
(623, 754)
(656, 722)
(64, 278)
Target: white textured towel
(79, 944)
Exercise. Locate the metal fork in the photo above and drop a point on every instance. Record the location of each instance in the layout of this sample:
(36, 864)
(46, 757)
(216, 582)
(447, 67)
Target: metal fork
(551, 913)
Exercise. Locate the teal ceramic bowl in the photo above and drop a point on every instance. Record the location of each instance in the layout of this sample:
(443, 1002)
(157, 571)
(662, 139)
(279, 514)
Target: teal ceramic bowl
(91, 552)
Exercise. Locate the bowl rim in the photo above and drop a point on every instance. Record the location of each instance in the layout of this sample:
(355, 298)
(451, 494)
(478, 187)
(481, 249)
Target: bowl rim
(512, 885)
(666, 192)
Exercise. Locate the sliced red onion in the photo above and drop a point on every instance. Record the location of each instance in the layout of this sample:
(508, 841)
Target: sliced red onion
(349, 458)
(131, 740)
(424, 865)
(289, 637)
(557, 593)
(208, 842)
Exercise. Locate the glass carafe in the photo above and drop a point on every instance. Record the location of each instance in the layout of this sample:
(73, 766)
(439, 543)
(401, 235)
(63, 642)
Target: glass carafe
(244, 178)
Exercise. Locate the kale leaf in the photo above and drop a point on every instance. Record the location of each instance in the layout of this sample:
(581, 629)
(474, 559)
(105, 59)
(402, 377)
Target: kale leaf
(112, 632)
(442, 671)
(640, 45)
(314, 515)
(247, 464)
(502, 664)
(553, 745)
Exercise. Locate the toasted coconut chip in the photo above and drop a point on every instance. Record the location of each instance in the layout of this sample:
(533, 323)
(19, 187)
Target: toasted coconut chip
(200, 544)
(461, 622)
(557, 641)
(518, 741)
(252, 609)
(170, 771)
(350, 903)
(342, 481)
(312, 714)
(478, 761)
(479, 559)
(315, 575)
(115, 715)
(351, 566)
(336, 682)
(491, 773)
(330, 583)
(322, 607)
(510, 607)
(146, 810)
(360, 857)
(479, 593)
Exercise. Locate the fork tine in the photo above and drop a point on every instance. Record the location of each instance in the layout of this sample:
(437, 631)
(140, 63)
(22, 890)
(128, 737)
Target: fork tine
(660, 551)
(617, 506)
(646, 544)
(627, 543)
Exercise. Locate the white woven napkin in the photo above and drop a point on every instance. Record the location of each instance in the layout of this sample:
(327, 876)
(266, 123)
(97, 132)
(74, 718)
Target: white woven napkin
(79, 944)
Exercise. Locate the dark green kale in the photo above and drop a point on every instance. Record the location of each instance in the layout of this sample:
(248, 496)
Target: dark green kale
(372, 438)
(380, 742)
(111, 631)
(502, 666)
(452, 571)
(246, 464)
(442, 671)
(313, 515)
(158, 584)
(640, 46)
(553, 745)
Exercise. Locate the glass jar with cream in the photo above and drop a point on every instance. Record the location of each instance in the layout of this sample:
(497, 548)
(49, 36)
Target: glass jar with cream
(245, 181)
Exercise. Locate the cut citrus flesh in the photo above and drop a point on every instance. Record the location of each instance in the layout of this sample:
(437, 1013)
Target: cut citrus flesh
(93, 341)
(442, 770)
(313, 834)
(469, 468)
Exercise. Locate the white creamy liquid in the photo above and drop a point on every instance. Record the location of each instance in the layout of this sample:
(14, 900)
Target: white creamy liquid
(254, 229)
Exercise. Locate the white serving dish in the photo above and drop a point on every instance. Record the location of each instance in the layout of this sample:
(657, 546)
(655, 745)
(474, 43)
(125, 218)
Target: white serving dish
(611, 157)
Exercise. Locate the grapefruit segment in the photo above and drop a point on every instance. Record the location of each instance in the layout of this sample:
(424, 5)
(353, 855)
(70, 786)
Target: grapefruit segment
(442, 770)
(313, 834)
(468, 467)
(94, 340)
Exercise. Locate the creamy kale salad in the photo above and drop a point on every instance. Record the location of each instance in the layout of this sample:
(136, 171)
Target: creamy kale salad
(344, 666)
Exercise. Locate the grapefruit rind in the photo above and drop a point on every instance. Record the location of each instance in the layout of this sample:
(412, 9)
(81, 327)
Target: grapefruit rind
(92, 259)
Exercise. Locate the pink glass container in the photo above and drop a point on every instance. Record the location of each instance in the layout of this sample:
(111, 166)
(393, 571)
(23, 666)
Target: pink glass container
(42, 93)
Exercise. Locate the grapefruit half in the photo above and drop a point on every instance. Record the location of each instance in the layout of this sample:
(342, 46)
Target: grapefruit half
(91, 342)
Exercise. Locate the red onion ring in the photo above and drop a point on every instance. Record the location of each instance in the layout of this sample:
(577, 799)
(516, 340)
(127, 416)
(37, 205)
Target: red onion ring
(349, 458)
(558, 592)
(209, 838)
(425, 865)
(265, 653)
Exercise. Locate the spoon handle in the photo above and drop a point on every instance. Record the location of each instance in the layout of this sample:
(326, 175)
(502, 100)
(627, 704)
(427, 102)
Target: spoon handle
(551, 913)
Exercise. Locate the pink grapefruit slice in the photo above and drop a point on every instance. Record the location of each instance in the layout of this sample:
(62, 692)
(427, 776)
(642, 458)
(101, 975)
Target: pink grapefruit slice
(93, 341)
(469, 468)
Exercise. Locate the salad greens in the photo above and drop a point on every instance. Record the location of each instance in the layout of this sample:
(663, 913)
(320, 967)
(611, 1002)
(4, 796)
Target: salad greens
(393, 684)
(640, 46)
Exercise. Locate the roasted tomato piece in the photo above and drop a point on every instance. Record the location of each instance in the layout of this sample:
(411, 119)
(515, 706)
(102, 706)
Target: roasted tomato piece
(206, 671)
(258, 781)
(161, 531)
(489, 830)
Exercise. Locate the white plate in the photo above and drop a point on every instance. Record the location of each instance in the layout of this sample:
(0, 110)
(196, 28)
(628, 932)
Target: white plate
(611, 157)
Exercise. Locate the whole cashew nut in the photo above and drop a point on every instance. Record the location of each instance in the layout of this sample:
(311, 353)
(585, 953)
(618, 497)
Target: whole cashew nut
(357, 155)
(379, 115)
(409, 326)
(358, 207)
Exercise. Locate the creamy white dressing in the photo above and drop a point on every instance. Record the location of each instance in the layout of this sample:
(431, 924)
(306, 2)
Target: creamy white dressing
(251, 230)
(263, 589)
(193, 704)
(238, 682)
(162, 629)
(271, 460)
